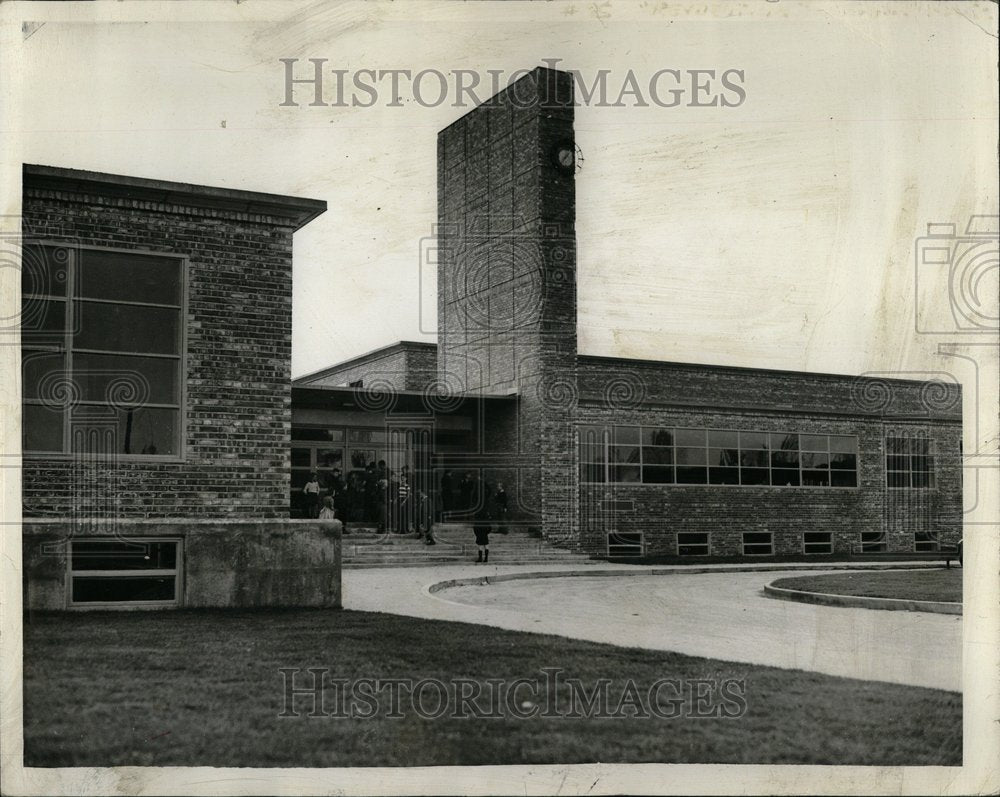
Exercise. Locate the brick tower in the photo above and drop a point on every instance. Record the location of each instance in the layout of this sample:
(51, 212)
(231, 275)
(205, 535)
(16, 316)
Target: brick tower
(507, 285)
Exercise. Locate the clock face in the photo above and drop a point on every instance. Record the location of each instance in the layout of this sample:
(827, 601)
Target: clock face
(565, 157)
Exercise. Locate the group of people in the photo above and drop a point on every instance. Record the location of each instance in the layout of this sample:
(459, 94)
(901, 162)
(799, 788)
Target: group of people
(392, 502)
(377, 495)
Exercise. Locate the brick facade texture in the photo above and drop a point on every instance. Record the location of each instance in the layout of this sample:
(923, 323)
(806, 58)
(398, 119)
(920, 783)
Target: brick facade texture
(238, 325)
(507, 280)
(507, 320)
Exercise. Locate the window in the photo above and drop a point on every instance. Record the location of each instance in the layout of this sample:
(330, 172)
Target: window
(624, 544)
(101, 342)
(115, 572)
(687, 456)
(693, 543)
(817, 542)
(925, 541)
(909, 462)
(758, 543)
(873, 542)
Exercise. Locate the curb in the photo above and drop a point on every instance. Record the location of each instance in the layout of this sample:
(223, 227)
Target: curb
(476, 581)
(862, 601)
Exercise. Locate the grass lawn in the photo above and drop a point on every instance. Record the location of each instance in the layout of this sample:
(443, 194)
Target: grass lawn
(187, 688)
(916, 585)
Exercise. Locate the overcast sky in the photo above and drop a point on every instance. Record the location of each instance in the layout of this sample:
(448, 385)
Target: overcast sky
(779, 233)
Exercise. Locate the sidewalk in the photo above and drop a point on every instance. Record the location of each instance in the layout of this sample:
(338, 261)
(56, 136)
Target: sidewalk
(716, 611)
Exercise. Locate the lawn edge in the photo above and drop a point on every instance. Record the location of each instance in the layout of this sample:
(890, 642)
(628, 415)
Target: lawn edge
(861, 601)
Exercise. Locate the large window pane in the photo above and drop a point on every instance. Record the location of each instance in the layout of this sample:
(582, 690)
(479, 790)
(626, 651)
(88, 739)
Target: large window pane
(754, 440)
(815, 460)
(107, 377)
(624, 453)
(591, 472)
(626, 435)
(625, 473)
(106, 590)
(691, 456)
(755, 476)
(330, 458)
(120, 327)
(35, 367)
(690, 437)
(657, 436)
(754, 459)
(784, 459)
(657, 474)
(784, 442)
(723, 476)
(306, 433)
(816, 478)
(128, 277)
(375, 436)
(43, 321)
(657, 456)
(723, 439)
(843, 478)
(42, 428)
(785, 477)
(843, 461)
(148, 431)
(45, 269)
(122, 555)
(813, 442)
(301, 457)
(692, 475)
(723, 457)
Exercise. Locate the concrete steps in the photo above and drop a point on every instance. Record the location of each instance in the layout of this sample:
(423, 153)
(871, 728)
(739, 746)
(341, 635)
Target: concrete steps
(364, 547)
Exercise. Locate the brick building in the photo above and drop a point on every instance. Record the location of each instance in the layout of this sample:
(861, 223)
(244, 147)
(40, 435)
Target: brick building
(156, 350)
(613, 456)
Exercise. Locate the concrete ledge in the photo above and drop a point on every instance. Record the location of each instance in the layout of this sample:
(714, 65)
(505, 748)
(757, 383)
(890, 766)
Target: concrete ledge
(862, 601)
(596, 570)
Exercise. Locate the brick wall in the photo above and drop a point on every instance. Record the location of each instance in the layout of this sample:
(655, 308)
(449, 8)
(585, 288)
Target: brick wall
(507, 279)
(635, 393)
(238, 325)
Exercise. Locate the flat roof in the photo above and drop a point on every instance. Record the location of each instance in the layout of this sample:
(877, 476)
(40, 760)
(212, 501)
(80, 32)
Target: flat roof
(299, 211)
(322, 396)
(382, 351)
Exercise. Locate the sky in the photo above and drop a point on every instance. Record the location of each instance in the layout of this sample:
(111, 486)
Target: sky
(779, 233)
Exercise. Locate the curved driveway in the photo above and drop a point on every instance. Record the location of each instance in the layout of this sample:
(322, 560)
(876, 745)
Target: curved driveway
(718, 615)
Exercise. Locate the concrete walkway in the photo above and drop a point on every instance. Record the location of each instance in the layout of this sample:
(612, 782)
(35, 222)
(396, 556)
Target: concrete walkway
(722, 615)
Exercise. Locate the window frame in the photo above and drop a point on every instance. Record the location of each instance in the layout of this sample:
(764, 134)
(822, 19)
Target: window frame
(931, 457)
(805, 544)
(609, 443)
(744, 543)
(707, 543)
(67, 349)
(177, 572)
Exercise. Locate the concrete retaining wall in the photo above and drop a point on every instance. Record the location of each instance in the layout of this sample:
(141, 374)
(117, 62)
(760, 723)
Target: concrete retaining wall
(287, 563)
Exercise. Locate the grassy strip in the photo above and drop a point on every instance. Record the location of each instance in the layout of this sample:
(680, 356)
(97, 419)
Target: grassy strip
(916, 585)
(191, 688)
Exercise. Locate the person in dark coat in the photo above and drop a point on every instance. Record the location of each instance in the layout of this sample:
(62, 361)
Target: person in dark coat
(500, 508)
(480, 511)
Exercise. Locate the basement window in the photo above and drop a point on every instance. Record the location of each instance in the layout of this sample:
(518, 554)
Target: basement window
(817, 542)
(925, 541)
(624, 544)
(117, 573)
(873, 542)
(692, 543)
(758, 543)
